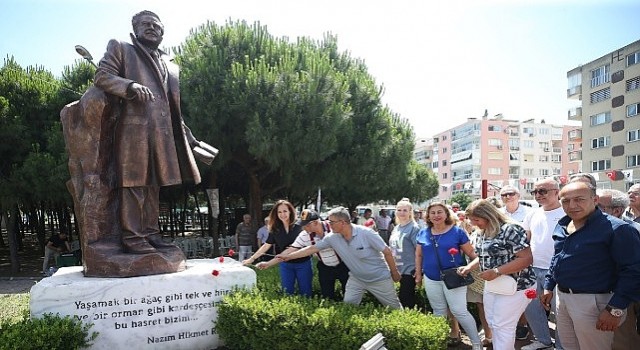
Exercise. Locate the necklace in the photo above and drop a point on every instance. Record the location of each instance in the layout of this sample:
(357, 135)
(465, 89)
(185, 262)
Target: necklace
(439, 235)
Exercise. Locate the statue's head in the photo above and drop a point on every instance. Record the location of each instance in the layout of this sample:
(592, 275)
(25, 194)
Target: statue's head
(148, 28)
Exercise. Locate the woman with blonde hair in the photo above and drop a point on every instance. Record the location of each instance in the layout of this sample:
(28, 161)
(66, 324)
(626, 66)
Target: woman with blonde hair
(503, 249)
(283, 231)
(403, 248)
(439, 247)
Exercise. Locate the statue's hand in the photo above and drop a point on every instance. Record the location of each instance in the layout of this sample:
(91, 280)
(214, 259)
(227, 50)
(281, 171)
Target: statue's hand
(142, 92)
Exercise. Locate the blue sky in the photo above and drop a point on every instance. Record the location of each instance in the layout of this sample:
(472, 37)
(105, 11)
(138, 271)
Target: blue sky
(440, 62)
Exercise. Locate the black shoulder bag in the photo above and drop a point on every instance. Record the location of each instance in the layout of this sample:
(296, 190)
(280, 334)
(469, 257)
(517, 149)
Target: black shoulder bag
(450, 276)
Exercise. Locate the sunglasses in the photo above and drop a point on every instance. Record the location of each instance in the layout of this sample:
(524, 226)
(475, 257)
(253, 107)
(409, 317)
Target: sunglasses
(509, 194)
(541, 191)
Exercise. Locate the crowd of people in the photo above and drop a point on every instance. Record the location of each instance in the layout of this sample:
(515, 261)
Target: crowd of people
(574, 257)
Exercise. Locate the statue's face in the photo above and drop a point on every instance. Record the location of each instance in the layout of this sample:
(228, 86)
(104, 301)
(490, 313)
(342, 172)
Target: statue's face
(149, 30)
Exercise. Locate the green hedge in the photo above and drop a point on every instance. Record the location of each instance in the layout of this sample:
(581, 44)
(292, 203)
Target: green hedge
(49, 332)
(264, 318)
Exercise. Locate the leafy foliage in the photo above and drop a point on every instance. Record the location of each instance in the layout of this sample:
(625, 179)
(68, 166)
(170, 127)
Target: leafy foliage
(48, 332)
(461, 198)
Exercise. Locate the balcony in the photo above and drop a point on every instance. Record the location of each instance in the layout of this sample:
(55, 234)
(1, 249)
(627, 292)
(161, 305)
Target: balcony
(575, 114)
(575, 135)
(575, 156)
(575, 92)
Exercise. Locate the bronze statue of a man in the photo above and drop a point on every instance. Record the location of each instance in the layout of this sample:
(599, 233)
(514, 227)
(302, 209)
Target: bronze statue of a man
(151, 141)
(126, 139)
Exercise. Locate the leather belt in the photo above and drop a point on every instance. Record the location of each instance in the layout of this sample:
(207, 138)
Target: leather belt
(578, 291)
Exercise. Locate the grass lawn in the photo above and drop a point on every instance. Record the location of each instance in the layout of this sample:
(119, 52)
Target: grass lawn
(13, 307)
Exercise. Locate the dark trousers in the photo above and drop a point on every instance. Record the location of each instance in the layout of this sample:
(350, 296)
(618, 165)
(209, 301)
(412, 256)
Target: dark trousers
(139, 211)
(328, 275)
(407, 292)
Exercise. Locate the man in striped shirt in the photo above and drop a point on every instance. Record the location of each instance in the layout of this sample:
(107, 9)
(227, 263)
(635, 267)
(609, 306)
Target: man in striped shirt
(330, 267)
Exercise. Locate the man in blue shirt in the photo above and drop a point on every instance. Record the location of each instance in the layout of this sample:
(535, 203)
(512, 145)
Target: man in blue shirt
(596, 267)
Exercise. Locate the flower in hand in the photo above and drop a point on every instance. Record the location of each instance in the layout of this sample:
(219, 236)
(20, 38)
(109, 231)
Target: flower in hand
(453, 251)
(530, 293)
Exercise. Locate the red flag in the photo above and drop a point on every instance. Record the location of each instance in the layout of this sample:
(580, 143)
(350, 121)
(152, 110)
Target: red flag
(611, 175)
(523, 182)
(563, 179)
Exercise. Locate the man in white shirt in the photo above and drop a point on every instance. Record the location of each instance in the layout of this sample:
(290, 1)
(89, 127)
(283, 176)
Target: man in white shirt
(382, 222)
(539, 225)
(511, 198)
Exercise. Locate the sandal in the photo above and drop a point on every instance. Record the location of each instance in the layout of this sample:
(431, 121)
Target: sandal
(454, 341)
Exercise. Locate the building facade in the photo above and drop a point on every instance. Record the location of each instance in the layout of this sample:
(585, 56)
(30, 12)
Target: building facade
(503, 152)
(607, 91)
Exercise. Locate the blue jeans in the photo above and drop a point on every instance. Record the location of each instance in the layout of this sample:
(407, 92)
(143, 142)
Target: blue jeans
(537, 316)
(302, 272)
(441, 299)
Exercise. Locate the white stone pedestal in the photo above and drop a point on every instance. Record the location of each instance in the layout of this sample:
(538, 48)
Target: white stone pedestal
(170, 311)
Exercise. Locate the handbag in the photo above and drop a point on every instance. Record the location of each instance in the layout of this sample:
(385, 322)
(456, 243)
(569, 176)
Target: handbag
(503, 285)
(450, 276)
(452, 280)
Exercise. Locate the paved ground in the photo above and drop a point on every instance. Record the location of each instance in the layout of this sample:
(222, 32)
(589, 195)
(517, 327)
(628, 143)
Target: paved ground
(17, 285)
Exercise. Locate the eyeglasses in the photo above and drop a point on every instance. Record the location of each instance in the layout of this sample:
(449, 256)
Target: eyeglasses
(632, 193)
(509, 194)
(542, 191)
(333, 222)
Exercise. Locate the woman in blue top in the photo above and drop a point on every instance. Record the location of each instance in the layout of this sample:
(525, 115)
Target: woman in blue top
(441, 235)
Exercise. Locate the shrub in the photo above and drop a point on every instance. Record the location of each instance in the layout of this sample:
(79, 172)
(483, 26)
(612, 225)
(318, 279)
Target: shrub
(49, 332)
(279, 322)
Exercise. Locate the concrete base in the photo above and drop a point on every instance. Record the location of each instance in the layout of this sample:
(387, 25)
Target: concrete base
(170, 311)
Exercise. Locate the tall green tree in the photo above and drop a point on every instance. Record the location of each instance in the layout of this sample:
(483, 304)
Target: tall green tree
(291, 117)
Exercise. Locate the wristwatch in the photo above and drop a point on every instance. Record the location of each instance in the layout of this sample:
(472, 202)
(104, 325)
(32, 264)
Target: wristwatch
(497, 272)
(614, 312)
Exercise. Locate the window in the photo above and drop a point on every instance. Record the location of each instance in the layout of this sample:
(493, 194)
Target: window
(444, 175)
(513, 156)
(575, 81)
(528, 157)
(527, 172)
(527, 144)
(444, 149)
(557, 171)
(529, 130)
(494, 171)
(600, 75)
(495, 142)
(495, 128)
(495, 155)
(633, 58)
(544, 172)
(633, 160)
(600, 95)
(556, 158)
(633, 135)
(600, 118)
(633, 84)
(600, 142)
(543, 159)
(543, 131)
(444, 162)
(600, 165)
(632, 110)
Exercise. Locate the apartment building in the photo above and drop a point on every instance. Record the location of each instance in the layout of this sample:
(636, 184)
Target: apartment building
(501, 151)
(607, 91)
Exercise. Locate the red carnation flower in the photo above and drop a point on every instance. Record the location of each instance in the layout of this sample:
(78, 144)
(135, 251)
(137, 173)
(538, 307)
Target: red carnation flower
(530, 293)
(232, 252)
(215, 272)
(453, 251)
(221, 258)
